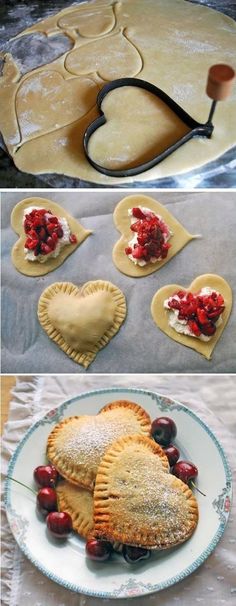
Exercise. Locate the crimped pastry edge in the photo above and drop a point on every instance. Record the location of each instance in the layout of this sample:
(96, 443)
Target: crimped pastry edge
(80, 525)
(104, 530)
(70, 472)
(83, 358)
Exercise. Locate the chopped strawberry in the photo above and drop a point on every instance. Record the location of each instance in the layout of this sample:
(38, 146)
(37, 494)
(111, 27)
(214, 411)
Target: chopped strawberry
(194, 328)
(128, 250)
(43, 230)
(151, 235)
(200, 311)
(73, 239)
(202, 316)
(138, 213)
(209, 329)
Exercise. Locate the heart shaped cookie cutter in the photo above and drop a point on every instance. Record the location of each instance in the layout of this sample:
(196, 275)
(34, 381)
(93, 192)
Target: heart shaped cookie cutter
(219, 84)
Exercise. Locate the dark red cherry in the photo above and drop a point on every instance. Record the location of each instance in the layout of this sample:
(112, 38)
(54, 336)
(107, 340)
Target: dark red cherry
(59, 524)
(172, 454)
(163, 430)
(185, 471)
(133, 555)
(97, 550)
(46, 500)
(45, 475)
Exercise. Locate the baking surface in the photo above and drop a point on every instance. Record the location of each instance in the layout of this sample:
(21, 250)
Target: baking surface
(217, 173)
(212, 399)
(139, 346)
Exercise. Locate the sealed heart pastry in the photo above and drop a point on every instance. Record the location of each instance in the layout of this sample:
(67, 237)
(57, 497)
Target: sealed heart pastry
(77, 444)
(195, 316)
(78, 502)
(47, 236)
(82, 320)
(133, 484)
(150, 236)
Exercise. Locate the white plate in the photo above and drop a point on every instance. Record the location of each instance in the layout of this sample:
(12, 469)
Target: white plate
(65, 563)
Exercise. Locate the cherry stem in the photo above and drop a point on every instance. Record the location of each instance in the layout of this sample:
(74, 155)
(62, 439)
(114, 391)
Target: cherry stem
(192, 484)
(21, 483)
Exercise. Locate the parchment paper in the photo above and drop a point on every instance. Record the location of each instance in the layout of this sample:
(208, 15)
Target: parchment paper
(139, 346)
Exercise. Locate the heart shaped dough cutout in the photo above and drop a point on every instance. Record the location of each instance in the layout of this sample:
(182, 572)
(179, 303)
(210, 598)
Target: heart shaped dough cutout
(34, 268)
(180, 237)
(136, 500)
(161, 315)
(82, 320)
(77, 444)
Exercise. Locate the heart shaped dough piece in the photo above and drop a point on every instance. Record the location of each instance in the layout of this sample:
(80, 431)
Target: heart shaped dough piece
(34, 268)
(136, 500)
(122, 221)
(82, 320)
(78, 502)
(77, 444)
(161, 315)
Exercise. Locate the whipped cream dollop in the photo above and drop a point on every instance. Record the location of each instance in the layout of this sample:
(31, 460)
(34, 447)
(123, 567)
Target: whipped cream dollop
(167, 233)
(182, 326)
(61, 242)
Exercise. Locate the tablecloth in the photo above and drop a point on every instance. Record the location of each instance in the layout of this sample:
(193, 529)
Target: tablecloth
(139, 346)
(213, 399)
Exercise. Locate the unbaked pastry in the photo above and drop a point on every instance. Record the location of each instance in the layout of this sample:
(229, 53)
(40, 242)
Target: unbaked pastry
(136, 500)
(82, 320)
(170, 43)
(161, 315)
(179, 239)
(76, 445)
(78, 502)
(18, 255)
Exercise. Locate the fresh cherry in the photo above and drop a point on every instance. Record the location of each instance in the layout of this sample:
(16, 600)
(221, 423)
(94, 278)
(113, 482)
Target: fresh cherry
(163, 430)
(59, 524)
(133, 555)
(187, 472)
(45, 475)
(97, 550)
(172, 454)
(46, 500)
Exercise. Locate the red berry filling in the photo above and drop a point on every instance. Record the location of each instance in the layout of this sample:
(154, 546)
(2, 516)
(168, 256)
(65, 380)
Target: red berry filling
(200, 311)
(43, 231)
(152, 234)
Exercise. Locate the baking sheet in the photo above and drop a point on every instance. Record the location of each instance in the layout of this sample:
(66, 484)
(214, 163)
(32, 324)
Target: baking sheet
(139, 346)
(18, 15)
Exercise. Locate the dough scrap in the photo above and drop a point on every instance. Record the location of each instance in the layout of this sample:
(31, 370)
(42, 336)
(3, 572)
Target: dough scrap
(161, 315)
(175, 41)
(180, 237)
(33, 268)
(82, 320)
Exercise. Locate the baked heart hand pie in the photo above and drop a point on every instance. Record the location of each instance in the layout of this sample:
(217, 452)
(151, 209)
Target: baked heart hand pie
(48, 235)
(137, 502)
(150, 236)
(82, 320)
(78, 502)
(77, 444)
(195, 316)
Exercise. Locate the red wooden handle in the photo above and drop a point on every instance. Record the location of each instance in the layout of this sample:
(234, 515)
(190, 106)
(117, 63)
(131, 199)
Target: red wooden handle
(220, 81)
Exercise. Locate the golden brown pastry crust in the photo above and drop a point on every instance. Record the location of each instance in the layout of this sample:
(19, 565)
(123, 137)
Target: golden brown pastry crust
(161, 315)
(78, 502)
(34, 268)
(137, 502)
(122, 221)
(81, 328)
(77, 444)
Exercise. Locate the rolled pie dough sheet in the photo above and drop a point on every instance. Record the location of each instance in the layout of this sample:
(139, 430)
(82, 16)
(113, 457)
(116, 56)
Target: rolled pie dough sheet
(34, 268)
(122, 221)
(161, 315)
(170, 43)
(82, 320)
